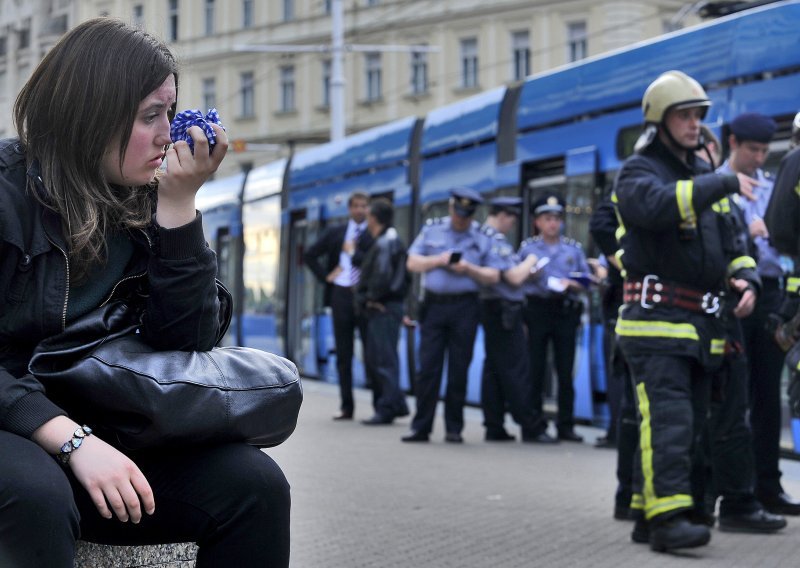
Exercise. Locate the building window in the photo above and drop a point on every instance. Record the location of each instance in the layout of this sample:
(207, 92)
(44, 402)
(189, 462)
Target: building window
(520, 45)
(419, 72)
(327, 5)
(288, 10)
(138, 15)
(247, 14)
(373, 68)
(209, 93)
(172, 16)
(3, 45)
(209, 17)
(326, 83)
(24, 35)
(287, 89)
(247, 91)
(469, 63)
(576, 38)
(373, 2)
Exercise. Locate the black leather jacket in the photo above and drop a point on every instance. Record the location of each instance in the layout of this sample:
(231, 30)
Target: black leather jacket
(384, 277)
(174, 267)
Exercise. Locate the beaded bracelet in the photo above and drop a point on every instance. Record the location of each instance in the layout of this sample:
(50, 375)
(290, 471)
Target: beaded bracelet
(73, 444)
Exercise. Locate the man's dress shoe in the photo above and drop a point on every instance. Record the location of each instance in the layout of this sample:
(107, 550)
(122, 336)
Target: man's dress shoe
(414, 436)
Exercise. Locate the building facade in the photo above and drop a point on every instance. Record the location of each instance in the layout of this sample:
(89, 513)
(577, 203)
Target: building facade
(272, 101)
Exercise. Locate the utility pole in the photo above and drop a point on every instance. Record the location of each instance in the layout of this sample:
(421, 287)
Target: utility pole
(337, 49)
(337, 71)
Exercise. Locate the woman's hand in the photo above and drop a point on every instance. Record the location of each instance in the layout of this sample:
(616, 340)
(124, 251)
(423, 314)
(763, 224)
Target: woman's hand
(108, 475)
(185, 174)
(112, 479)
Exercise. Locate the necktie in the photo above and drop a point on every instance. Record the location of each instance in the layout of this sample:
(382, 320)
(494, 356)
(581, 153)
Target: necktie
(354, 271)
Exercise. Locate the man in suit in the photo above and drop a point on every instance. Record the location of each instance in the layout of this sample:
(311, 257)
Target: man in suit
(343, 246)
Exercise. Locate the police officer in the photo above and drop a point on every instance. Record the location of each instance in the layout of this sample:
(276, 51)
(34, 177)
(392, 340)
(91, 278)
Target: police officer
(681, 260)
(505, 371)
(750, 135)
(553, 313)
(452, 253)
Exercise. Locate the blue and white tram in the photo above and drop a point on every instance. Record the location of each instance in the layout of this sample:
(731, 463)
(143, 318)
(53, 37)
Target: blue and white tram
(567, 130)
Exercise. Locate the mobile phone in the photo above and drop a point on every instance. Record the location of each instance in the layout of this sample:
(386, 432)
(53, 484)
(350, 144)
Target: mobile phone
(455, 256)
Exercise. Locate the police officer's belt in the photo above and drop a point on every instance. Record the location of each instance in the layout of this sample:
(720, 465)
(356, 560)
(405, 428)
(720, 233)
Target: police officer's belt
(448, 298)
(651, 290)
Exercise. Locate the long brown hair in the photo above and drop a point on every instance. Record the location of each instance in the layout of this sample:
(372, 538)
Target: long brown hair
(80, 100)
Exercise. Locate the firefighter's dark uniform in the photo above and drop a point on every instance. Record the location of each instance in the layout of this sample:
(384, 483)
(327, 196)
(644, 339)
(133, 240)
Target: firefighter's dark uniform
(679, 249)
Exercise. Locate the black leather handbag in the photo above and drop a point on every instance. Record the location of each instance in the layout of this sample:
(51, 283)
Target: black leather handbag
(103, 374)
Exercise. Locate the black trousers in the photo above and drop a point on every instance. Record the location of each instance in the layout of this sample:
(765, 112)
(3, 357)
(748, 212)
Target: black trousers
(446, 327)
(627, 427)
(383, 363)
(728, 443)
(505, 381)
(765, 360)
(232, 500)
(552, 321)
(345, 323)
(672, 393)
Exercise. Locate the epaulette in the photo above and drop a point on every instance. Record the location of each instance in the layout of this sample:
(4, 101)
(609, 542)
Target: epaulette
(573, 242)
(435, 221)
(488, 230)
(491, 232)
(530, 240)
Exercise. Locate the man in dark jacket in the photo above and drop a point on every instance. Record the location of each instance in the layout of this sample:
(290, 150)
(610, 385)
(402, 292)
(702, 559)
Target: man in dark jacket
(379, 297)
(343, 247)
(682, 260)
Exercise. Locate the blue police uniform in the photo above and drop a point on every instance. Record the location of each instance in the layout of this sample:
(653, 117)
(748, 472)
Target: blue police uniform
(505, 379)
(764, 356)
(553, 316)
(448, 318)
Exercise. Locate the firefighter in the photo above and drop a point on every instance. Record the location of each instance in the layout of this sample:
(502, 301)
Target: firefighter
(682, 261)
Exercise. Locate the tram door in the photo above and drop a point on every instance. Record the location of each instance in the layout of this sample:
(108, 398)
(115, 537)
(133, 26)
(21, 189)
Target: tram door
(303, 298)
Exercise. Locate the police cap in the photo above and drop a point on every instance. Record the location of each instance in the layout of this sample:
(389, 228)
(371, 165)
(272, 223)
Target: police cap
(511, 205)
(548, 203)
(754, 127)
(465, 201)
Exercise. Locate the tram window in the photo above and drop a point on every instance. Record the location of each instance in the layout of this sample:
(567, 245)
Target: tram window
(579, 205)
(224, 250)
(402, 222)
(435, 209)
(626, 140)
(262, 254)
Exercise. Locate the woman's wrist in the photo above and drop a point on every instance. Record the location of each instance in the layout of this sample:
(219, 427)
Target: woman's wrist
(52, 434)
(73, 444)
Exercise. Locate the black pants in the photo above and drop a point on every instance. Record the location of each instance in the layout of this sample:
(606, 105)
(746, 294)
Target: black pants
(445, 327)
(765, 361)
(728, 443)
(505, 380)
(232, 500)
(345, 323)
(672, 393)
(552, 321)
(383, 363)
(627, 428)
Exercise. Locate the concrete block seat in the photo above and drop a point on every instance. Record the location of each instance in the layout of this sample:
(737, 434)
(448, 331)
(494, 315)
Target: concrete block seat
(180, 555)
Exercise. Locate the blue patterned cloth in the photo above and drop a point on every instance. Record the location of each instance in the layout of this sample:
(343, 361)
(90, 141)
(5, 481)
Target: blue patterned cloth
(188, 118)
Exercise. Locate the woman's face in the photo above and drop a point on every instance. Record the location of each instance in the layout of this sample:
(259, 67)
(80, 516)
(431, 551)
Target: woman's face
(149, 135)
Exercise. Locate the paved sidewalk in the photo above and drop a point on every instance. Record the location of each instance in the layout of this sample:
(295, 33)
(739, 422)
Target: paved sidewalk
(361, 498)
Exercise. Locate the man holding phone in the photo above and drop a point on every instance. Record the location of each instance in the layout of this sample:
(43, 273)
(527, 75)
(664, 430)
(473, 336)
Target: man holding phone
(452, 253)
